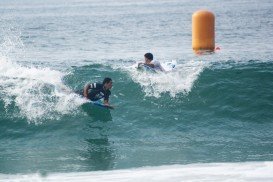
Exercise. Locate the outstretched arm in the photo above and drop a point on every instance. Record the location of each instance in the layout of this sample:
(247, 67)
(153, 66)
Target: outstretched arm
(139, 64)
(85, 90)
(106, 103)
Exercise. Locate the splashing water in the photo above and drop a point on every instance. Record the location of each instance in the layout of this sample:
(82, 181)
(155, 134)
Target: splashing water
(180, 80)
(35, 91)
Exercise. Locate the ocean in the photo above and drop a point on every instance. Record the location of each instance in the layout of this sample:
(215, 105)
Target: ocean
(213, 112)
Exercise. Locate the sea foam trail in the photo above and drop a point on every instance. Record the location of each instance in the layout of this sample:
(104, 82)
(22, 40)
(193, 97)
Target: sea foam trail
(35, 92)
(249, 171)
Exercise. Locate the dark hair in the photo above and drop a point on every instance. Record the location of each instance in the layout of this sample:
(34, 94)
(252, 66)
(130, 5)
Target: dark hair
(106, 80)
(149, 56)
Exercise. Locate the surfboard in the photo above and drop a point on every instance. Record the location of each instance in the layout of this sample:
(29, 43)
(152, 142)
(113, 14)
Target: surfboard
(146, 68)
(98, 103)
(167, 66)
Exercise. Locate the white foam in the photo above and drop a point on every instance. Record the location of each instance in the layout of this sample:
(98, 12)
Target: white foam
(35, 91)
(248, 171)
(180, 80)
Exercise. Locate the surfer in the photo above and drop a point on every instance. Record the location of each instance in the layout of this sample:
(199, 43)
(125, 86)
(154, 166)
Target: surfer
(97, 91)
(148, 61)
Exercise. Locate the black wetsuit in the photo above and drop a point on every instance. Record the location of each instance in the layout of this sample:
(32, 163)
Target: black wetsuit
(96, 92)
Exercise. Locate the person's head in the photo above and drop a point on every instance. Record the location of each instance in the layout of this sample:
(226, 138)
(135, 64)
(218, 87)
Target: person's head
(107, 83)
(148, 57)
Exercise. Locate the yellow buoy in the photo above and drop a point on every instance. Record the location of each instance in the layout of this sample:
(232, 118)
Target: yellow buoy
(203, 31)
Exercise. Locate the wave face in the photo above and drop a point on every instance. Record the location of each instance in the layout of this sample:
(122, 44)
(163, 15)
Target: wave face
(211, 109)
(221, 114)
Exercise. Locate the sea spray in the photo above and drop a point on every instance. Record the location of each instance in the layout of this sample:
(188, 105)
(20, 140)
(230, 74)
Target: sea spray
(179, 80)
(36, 91)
